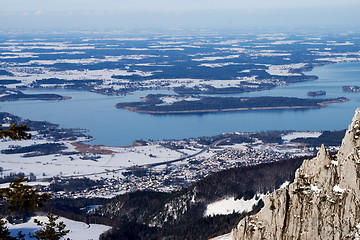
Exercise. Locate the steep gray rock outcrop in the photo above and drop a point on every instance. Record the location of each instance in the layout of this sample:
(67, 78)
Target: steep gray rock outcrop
(323, 202)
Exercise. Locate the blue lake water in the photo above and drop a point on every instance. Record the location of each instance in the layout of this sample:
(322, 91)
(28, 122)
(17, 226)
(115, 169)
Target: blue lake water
(118, 127)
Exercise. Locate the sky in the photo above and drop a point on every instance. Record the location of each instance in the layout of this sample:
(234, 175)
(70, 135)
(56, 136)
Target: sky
(142, 14)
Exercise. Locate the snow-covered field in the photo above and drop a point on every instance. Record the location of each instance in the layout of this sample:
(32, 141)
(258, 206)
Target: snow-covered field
(78, 230)
(201, 83)
(29, 74)
(215, 58)
(294, 135)
(73, 165)
(214, 65)
(89, 60)
(284, 70)
(230, 205)
(168, 100)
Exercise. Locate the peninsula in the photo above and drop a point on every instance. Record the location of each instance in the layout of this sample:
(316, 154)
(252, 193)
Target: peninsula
(14, 95)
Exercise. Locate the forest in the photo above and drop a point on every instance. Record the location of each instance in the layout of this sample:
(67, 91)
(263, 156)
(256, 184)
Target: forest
(131, 213)
(18, 95)
(153, 104)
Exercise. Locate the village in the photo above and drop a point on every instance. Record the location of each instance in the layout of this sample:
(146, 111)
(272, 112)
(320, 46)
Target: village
(174, 175)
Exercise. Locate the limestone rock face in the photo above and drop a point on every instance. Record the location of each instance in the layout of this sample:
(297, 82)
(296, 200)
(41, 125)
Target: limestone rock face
(323, 202)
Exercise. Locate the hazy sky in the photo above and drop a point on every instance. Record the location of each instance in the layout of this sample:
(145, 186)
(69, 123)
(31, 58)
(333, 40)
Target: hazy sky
(127, 14)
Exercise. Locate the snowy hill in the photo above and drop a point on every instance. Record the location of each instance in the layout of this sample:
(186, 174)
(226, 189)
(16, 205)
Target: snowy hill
(78, 230)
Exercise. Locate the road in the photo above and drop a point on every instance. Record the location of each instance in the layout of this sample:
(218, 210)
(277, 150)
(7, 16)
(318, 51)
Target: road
(214, 144)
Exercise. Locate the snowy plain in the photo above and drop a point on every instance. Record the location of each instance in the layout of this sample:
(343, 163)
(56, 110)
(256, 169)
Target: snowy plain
(77, 165)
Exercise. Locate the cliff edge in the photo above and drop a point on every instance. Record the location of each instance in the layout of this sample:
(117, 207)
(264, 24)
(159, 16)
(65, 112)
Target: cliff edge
(323, 202)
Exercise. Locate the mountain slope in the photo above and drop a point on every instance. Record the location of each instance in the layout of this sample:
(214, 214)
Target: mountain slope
(180, 215)
(323, 202)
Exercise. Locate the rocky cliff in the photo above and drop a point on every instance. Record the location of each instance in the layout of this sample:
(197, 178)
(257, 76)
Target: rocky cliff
(323, 202)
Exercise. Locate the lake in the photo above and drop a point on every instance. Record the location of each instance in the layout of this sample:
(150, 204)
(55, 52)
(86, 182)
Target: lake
(118, 127)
